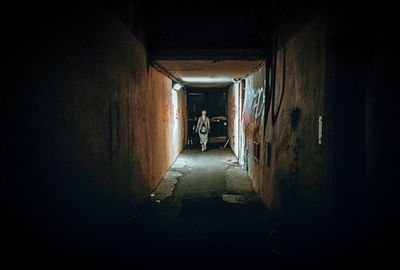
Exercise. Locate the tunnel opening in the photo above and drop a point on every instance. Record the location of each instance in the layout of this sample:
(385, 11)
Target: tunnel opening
(214, 102)
(219, 86)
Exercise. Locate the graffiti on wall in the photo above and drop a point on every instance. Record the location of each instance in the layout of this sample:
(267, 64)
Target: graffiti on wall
(254, 101)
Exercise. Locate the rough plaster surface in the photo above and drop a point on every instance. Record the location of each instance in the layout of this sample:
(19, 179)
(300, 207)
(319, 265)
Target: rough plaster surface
(295, 184)
(233, 117)
(253, 122)
(102, 126)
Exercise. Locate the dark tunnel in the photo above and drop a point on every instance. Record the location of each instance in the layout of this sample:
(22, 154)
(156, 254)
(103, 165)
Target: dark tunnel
(105, 161)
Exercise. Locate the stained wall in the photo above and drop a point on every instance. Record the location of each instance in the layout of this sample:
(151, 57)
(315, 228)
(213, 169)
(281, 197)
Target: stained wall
(96, 127)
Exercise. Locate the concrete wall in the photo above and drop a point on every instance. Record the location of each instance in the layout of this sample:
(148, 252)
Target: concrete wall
(158, 119)
(253, 123)
(292, 178)
(233, 117)
(296, 181)
(97, 127)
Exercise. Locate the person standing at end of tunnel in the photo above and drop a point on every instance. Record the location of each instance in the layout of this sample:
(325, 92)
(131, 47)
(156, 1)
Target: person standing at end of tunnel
(203, 127)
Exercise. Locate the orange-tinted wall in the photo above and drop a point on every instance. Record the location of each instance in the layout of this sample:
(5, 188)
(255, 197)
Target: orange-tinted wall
(97, 126)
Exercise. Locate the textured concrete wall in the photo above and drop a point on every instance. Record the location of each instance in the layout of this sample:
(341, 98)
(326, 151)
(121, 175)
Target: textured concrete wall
(253, 122)
(158, 127)
(233, 117)
(291, 171)
(96, 126)
(295, 182)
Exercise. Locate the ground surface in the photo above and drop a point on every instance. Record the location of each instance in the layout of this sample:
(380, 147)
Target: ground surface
(205, 211)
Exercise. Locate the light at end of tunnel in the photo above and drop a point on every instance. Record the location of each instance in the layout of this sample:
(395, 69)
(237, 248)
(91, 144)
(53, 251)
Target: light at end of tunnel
(177, 86)
(207, 79)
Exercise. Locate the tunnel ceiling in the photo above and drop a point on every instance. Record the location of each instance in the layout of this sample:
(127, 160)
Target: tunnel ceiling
(208, 73)
(210, 38)
(213, 39)
(217, 30)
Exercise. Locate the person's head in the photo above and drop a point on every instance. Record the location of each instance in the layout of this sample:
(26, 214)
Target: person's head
(203, 112)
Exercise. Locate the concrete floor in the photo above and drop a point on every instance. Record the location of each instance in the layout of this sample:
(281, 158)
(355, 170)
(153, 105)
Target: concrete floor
(205, 211)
